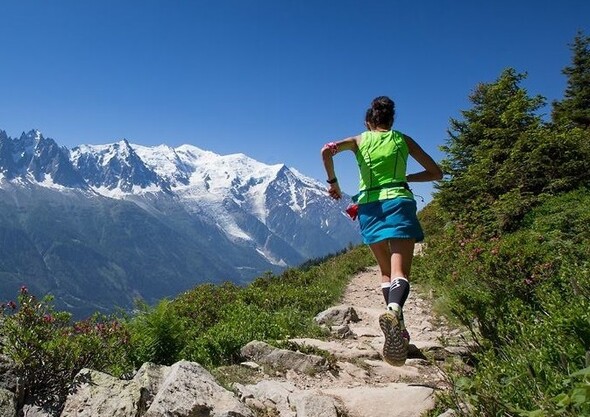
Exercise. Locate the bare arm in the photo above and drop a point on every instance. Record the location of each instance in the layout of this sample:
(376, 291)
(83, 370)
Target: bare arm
(328, 152)
(432, 171)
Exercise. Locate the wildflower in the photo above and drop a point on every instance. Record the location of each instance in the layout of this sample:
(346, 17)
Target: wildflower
(24, 290)
(12, 305)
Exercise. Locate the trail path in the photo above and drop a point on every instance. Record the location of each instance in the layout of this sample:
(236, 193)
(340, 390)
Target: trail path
(364, 384)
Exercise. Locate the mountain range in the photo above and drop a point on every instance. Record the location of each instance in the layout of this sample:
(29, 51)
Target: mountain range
(99, 226)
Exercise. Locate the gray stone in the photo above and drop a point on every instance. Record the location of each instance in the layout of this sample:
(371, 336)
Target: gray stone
(182, 390)
(268, 397)
(283, 359)
(150, 378)
(311, 404)
(390, 400)
(99, 394)
(30, 410)
(8, 375)
(284, 399)
(342, 332)
(337, 316)
(340, 350)
(189, 390)
(7, 403)
(250, 365)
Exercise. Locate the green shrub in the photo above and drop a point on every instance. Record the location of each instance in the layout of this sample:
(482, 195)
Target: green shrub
(157, 334)
(240, 323)
(49, 350)
(526, 297)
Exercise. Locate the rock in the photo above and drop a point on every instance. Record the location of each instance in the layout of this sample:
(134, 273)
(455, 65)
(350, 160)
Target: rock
(99, 394)
(30, 410)
(7, 403)
(283, 359)
(385, 401)
(340, 350)
(463, 351)
(311, 404)
(337, 316)
(149, 378)
(284, 399)
(188, 389)
(8, 376)
(342, 332)
(250, 365)
(182, 390)
(268, 397)
(350, 373)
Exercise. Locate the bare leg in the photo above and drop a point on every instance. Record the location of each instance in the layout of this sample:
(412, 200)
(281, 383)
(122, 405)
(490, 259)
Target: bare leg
(402, 253)
(394, 257)
(383, 255)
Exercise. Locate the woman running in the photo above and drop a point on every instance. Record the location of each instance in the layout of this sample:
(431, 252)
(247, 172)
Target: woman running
(386, 210)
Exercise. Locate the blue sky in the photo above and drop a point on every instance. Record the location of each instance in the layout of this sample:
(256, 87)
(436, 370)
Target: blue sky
(272, 79)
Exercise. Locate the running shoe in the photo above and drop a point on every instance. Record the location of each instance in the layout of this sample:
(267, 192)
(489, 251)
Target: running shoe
(395, 348)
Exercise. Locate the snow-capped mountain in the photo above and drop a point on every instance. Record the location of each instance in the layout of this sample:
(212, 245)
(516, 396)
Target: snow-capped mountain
(37, 159)
(114, 167)
(237, 216)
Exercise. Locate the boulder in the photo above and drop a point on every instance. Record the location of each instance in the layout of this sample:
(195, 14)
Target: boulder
(187, 389)
(283, 359)
(99, 394)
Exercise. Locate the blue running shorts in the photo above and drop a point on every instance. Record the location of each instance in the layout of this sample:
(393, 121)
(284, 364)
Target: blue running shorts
(394, 218)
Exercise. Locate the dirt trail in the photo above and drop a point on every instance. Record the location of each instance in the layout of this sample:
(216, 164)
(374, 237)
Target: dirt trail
(364, 383)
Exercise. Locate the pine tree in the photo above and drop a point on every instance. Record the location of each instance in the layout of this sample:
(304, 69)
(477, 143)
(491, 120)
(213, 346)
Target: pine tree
(480, 145)
(574, 109)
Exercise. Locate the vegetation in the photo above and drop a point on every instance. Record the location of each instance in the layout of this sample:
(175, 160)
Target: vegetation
(208, 324)
(508, 252)
(49, 349)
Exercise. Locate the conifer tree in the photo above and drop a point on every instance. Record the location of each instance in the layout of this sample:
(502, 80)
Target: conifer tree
(480, 144)
(574, 109)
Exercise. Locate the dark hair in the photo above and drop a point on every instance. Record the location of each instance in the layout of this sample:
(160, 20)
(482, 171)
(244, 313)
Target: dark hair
(381, 113)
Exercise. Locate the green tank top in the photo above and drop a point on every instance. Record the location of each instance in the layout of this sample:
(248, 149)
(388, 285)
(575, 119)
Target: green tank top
(382, 158)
